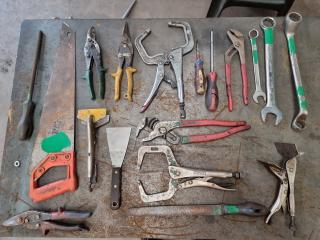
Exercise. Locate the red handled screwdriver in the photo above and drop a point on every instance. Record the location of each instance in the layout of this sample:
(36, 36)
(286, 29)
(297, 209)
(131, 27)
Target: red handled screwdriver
(212, 96)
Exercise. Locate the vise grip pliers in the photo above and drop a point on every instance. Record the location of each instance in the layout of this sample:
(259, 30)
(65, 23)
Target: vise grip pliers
(174, 57)
(164, 129)
(286, 175)
(200, 178)
(237, 46)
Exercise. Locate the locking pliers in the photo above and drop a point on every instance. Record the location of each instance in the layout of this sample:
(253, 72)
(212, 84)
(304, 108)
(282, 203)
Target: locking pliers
(201, 178)
(237, 46)
(174, 57)
(164, 129)
(286, 175)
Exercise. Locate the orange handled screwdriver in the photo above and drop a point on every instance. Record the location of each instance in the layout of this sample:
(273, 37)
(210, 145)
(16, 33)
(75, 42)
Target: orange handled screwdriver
(199, 78)
(212, 97)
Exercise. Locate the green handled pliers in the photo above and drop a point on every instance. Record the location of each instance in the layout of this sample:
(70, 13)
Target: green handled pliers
(92, 54)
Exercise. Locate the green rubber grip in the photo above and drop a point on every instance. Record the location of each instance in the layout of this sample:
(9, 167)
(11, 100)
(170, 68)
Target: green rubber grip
(88, 76)
(268, 36)
(102, 83)
(255, 55)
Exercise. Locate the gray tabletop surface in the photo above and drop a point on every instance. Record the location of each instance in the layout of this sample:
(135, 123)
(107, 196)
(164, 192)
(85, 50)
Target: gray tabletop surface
(236, 153)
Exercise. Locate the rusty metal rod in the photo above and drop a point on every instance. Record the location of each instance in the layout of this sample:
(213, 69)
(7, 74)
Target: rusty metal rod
(248, 209)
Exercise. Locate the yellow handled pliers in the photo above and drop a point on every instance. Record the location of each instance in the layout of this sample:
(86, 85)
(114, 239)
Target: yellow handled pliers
(125, 56)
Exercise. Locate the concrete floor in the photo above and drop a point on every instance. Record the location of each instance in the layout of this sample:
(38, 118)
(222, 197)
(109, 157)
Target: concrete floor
(13, 12)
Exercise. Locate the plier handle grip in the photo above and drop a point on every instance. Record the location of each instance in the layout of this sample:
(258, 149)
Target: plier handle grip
(237, 46)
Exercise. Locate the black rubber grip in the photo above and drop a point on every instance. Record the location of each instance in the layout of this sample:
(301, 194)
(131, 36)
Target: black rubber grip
(116, 188)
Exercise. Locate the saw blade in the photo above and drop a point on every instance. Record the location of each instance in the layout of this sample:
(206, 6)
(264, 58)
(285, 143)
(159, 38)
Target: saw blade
(56, 127)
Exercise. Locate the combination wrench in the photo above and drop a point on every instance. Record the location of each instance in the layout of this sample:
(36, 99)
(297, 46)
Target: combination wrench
(292, 21)
(267, 24)
(253, 36)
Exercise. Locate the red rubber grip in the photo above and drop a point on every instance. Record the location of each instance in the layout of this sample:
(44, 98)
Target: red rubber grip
(245, 84)
(211, 122)
(50, 190)
(215, 136)
(228, 86)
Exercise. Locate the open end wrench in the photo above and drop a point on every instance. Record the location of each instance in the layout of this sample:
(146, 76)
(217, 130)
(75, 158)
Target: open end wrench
(253, 36)
(267, 24)
(292, 21)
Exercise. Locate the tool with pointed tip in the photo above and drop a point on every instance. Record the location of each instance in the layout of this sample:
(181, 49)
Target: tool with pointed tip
(199, 177)
(46, 221)
(250, 209)
(292, 22)
(253, 36)
(94, 118)
(125, 56)
(118, 139)
(92, 54)
(237, 46)
(286, 175)
(199, 78)
(54, 144)
(25, 125)
(174, 58)
(212, 95)
(267, 24)
(127, 12)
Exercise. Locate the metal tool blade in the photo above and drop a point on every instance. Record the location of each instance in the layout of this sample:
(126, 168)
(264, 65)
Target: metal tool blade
(58, 113)
(287, 150)
(118, 139)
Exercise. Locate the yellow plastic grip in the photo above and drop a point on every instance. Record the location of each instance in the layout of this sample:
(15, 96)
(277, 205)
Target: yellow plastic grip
(130, 71)
(117, 84)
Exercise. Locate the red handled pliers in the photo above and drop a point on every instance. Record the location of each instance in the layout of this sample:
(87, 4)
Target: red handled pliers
(237, 40)
(164, 129)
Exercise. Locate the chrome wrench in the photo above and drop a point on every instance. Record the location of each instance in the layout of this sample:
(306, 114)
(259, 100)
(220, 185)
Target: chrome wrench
(292, 22)
(267, 24)
(253, 36)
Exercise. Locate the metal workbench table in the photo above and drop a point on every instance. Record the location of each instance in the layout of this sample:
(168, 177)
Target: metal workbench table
(236, 153)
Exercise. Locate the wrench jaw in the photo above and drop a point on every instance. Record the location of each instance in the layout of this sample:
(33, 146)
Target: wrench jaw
(299, 122)
(272, 110)
(257, 94)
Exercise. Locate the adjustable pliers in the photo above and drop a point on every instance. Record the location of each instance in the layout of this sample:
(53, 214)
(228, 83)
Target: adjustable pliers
(164, 129)
(46, 221)
(237, 46)
(196, 177)
(125, 56)
(92, 54)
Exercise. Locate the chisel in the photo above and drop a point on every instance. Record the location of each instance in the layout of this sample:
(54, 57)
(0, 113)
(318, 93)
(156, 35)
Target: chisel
(212, 96)
(25, 125)
(248, 209)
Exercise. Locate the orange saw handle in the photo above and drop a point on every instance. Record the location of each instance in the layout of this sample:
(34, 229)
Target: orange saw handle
(50, 190)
